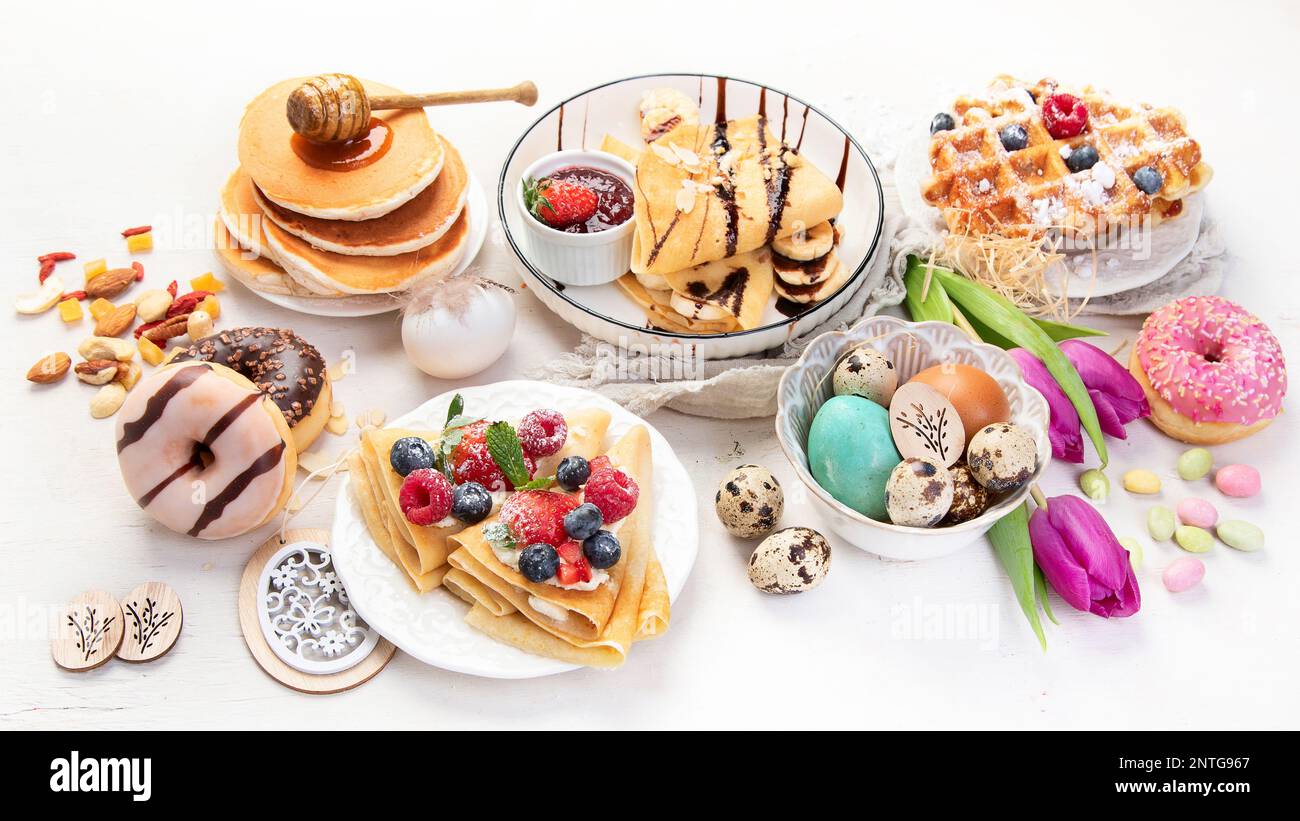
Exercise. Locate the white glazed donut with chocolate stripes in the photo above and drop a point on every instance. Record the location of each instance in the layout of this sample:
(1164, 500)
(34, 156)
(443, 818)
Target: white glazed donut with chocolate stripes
(204, 452)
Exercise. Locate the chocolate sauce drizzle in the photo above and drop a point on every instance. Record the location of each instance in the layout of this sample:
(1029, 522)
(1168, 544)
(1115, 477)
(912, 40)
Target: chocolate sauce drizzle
(730, 295)
(726, 190)
(133, 431)
(214, 508)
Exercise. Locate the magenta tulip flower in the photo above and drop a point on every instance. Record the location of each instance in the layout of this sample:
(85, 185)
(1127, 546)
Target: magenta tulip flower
(1082, 559)
(1116, 395)
(1064, 428)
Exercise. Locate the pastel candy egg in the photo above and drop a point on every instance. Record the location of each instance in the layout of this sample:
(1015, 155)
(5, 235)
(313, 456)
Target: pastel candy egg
(851, 453)
(1237, 480)
(1193, 539)
(1183, 574)
(1240, 535)
(1194, 464)
(1160, 523)
(1197, 512)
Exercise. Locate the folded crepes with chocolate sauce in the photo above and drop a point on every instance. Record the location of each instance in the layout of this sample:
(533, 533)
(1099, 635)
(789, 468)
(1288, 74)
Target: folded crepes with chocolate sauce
(708, 192)
(592, 627)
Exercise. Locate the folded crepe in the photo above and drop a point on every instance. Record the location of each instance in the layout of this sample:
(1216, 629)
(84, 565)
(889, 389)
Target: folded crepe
(708, 192)
(600, 625)
(661, 314)
(421, 551)
(738, 286)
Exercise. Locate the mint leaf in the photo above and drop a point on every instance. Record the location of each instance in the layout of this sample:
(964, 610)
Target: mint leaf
(498, 535)
(540, 483)
(503, 444)
(456, 408)
(459, 421)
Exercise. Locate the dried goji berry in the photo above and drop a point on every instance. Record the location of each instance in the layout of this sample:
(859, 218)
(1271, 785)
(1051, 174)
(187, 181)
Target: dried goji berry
(171, 289)
(72, 295)
(139, 271)
(47, 268)
(57, 256)
(139, 229)
(186, 303)
(140, 329)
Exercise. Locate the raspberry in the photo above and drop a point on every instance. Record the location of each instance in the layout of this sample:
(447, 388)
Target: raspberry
(472, 462)
(1064, 115)
(613, 491)
(535, 516)
(425, 497)
(543, 432)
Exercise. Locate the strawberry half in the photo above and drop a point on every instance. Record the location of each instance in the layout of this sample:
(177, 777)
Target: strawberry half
(559, 203)
(535, 516)
(574, 568)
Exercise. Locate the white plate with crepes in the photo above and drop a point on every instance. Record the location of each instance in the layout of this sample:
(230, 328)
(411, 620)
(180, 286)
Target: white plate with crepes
(476, 210)
(431, 626)
(1079, 275)
(582, 121)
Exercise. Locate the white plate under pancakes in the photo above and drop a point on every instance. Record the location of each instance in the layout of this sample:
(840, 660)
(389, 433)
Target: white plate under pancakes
(581, 121)
(431, 626)
(476, 209)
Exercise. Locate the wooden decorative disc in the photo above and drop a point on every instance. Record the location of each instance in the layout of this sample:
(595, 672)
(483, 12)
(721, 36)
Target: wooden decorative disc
(89, 631)
(153, 618)
(250, 622)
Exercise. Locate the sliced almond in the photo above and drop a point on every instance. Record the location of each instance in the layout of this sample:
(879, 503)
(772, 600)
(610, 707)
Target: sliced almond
(337, 425)
(49, 368)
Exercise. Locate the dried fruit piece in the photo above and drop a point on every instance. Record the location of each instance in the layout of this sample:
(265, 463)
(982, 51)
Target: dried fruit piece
(49, 368)
(186, 303)
(136, 231)
(106, 347)
(128, 373)
(94, 268)
(208, 283)
(150, 352)
(97, 371)
(116, 321)
(107, 400)
(70, 310)
(139, 243)
(100, 307)
(40, 300)
(211, 305)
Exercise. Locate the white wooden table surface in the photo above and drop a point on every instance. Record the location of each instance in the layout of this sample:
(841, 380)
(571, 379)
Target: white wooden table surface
(118, 116)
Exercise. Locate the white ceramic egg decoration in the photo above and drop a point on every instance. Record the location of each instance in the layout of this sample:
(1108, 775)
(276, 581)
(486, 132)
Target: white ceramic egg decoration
(458, 327)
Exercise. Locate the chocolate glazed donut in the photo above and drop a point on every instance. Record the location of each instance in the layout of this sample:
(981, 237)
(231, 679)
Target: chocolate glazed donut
(284, 367)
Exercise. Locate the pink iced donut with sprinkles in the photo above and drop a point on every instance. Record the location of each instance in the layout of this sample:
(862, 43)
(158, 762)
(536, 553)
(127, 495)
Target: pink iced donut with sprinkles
(1212, 371)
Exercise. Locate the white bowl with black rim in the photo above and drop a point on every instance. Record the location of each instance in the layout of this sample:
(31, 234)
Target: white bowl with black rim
(604, 311)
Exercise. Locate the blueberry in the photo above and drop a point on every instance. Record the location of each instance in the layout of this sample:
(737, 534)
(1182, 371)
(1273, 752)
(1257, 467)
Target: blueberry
(1082, 158)
(471, 503)
(1148, 179)
(1014, 137)
(602, 550)
(583, 521)
(410, 453)
(572, 472)
(942, 121)
(538, 562)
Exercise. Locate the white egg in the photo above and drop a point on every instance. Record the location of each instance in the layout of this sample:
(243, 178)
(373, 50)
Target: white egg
(459, 327)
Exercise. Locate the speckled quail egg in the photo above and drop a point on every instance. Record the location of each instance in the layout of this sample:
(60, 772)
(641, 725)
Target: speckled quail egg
(868, 373)
(969, 498)
(791, 560)
(749, 501)
(1002, 457)
(918, 493)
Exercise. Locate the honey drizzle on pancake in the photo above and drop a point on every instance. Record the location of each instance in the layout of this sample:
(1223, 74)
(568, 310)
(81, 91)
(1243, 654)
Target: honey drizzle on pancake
(348, 155)
(133, 432)
(213, 509)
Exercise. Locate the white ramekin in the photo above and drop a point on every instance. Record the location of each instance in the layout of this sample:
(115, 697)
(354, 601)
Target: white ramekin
(578, 259)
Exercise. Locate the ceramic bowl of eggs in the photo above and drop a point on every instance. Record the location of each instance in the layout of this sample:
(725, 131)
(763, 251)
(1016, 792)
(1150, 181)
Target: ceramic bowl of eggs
(912, 437)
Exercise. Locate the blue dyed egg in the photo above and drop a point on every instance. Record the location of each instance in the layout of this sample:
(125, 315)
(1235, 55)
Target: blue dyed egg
(851, 453)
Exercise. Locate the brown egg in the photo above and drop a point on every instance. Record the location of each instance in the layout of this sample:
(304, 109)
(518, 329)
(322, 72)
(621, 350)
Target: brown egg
(976, 395)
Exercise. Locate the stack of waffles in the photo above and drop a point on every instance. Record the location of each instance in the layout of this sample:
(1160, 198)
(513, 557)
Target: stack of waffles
(982, 187)
(390, 216)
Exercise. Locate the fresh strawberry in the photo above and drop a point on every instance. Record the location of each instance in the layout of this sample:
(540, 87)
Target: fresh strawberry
(570, 552)
(574, 567)
(599, 463)
(472, 462)
(535, 516)
(475, 433)
(559, 203)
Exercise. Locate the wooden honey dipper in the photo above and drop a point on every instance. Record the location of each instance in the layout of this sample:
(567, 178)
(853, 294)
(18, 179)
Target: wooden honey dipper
(334, 107)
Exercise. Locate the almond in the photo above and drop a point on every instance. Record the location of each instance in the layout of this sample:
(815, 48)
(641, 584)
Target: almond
(110, 283)
(116, 321)
(49, 369)
(97, 371)
(173, 327)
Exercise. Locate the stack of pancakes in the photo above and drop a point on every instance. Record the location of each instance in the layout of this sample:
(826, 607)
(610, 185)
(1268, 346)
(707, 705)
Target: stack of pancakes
(287, 227)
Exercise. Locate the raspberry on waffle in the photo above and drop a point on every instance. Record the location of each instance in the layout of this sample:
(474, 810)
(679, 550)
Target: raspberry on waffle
(982, 187)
